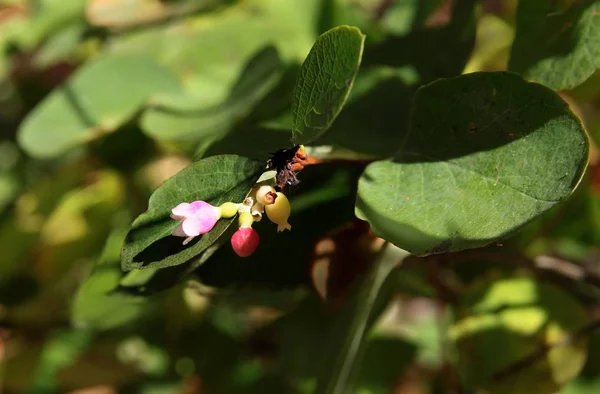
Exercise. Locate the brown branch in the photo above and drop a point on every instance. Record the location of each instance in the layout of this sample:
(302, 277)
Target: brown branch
(543, 351)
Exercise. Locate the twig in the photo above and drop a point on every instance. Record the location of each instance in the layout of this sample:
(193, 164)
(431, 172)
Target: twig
(541, 264)
(540, 353)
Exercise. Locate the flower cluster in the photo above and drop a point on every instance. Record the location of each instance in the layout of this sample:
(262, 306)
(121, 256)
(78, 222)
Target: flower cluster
(199, 217)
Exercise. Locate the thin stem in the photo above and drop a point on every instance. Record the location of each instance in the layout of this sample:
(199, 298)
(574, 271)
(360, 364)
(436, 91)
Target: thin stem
(338, 378)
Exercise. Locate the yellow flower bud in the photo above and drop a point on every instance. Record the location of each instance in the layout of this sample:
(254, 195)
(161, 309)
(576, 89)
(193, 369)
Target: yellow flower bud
(228, 210)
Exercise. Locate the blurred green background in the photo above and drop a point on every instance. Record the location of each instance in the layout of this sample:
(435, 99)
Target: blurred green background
(103, 100)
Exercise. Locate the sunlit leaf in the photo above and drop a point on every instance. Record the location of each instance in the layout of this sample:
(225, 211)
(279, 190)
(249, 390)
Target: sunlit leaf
(556, 42)
(99, 97)
(184, 118)
(325, 81)
(485, 154)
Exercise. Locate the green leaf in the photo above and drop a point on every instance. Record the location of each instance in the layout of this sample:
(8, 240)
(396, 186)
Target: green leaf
(556, 42)
(99, 98)
(485, 154)
(216, 180)
(209, 49)
(183, 117)
(325, 81)
(96, 307)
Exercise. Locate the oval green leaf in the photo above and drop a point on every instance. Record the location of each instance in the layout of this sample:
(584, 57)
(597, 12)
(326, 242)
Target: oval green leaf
(325, 81)
(556, 42)
(485, 154)
(216, 180)
(99, 98)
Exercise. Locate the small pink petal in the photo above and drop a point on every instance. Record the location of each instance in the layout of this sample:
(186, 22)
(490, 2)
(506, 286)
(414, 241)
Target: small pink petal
(198, 224)
(187, 240)
(203, 208)
(182, 211)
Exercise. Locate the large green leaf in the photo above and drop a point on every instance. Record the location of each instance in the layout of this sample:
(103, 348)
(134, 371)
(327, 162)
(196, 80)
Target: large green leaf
(100, 97)
(486, 153)
(325, 81)
(208, 50)
(185, 118)
(556, 42)
(216, 180)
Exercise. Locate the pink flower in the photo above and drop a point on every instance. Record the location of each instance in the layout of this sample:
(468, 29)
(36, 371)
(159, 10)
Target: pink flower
(198, 217)
(245, 241)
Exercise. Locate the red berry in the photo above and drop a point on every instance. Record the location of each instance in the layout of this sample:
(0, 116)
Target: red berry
(245, 241)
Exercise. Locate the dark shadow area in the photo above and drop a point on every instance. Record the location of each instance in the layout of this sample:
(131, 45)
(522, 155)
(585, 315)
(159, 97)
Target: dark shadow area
(591, 370)
(278, 100)
(375, 121)
(163, 279)
(435, 52)
(281, 259)
(163, 248)
(126, 150)
(256, 143)
(18, 289)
